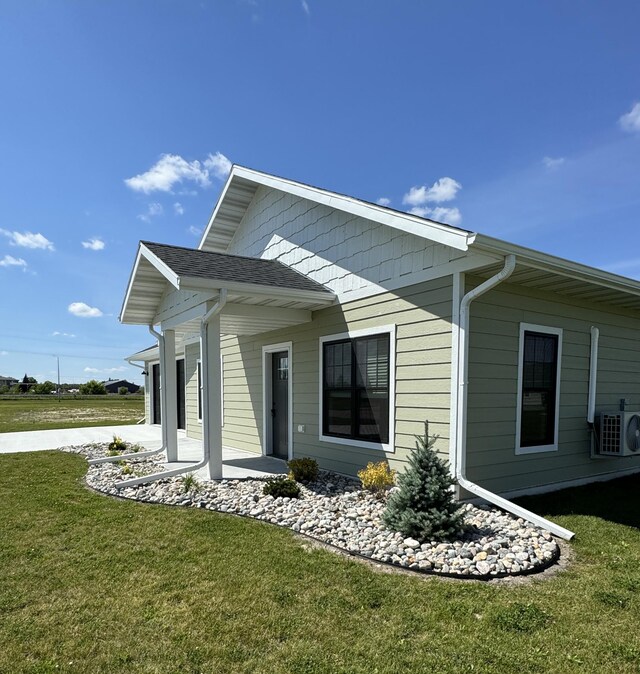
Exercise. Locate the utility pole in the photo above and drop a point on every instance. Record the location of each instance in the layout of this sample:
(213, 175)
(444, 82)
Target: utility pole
(58, 360)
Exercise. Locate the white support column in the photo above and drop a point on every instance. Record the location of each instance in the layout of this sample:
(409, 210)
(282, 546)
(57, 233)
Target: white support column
(211, 400)
(169, 395)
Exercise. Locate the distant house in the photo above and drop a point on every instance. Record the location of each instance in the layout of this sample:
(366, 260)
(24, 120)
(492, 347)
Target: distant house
(7, 381)
(113, 385)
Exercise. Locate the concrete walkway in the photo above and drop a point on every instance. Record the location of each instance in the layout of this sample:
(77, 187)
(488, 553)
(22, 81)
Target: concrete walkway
(235, 463)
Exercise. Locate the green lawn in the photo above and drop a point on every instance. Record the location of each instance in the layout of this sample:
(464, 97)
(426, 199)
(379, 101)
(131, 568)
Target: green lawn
(35, 413)
(94, 584)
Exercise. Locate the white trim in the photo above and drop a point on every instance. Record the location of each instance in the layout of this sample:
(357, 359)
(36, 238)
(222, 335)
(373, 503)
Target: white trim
(547, 330)
(457, 294)
(163, 268)
(222, 390)
(405, 222)
(267, 350)
(199, 397)
(388, 447)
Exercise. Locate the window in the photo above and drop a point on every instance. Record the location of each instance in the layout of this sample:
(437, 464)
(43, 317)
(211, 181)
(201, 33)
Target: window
(538, 389)
(356, 387)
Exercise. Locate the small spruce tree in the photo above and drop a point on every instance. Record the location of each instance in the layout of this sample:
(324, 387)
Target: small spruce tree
(424, 507)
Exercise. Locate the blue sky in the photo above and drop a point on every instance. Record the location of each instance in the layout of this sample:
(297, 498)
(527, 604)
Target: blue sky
(118, 119)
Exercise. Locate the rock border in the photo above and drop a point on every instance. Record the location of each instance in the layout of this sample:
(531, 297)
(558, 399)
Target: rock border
(351, 494)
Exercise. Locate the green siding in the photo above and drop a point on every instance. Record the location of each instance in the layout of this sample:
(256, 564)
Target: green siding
(493, 381)
(422, 315)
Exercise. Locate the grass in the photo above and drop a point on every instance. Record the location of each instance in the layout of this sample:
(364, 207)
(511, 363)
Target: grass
(33, 413)
(93, 584)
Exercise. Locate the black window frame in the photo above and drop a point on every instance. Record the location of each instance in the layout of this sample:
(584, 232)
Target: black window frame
(551, 390)
(357, 390)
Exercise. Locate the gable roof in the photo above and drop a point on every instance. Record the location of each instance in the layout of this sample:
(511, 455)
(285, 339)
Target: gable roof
(535, 269)
(192, 263)
(241, 186)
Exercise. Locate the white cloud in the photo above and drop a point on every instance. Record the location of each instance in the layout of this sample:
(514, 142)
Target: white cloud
(383, 201)
(218, 164)
(450, 216)
(630, 121)
(28, 240)
(196, 231)
(10, 261)
(84, 310)
(305, 7)
(4, 353)
(553, 162)
(178, 208)
(94, 244)
(172, 169)
(55, 333)
(153, 209)
(91, 369)
(444, 189)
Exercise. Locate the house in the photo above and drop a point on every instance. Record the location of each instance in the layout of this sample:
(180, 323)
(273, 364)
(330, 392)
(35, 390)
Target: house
(114, 386)
(8, 381)
(310, 323)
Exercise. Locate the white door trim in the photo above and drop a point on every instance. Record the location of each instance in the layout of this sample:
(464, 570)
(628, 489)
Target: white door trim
(267, 392)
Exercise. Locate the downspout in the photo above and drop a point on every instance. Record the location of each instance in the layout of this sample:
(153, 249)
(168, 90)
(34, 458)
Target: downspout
(143, 368)
(461, 417)
(216, 309)
(152, 452)
(593, 375)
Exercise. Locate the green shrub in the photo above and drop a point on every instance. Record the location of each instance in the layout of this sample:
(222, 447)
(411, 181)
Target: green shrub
(424, 507)
(377, 477)
(123, 390)
(303, 470)
(93, 388)
(281, 486)
(190, 483)
(127, 469)
(116, 446)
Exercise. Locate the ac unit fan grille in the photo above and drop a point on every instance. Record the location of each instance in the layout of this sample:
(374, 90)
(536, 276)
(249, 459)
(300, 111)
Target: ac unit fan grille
(610, 433)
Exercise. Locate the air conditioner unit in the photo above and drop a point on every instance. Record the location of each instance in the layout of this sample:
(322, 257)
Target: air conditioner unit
(620, 434)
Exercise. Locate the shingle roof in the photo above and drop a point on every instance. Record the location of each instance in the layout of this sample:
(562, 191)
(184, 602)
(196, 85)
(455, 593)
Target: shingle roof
(233, 268)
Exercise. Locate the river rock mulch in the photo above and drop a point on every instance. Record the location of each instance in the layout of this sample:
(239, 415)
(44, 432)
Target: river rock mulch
(335, 510)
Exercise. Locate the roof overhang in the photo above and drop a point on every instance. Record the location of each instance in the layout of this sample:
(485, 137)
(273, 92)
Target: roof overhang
(241, 186)
(541, 271)
(269, 307)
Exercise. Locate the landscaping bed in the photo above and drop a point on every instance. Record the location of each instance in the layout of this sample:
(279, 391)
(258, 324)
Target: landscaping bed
(337, 511)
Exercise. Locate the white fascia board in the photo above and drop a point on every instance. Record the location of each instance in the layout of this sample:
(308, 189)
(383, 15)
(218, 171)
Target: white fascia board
(146, 355)
(405, 222)
(545, 262)
(163, 268)
(129, 287)
(216, 208)
(197, 283)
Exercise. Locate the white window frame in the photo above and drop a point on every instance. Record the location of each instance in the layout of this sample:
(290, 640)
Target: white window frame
(388, 447)
(548, 330)
(267, 390)
(152, 394)
(199, 397)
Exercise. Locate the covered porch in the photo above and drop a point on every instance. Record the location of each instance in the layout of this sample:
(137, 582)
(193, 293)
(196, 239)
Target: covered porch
(188, 296)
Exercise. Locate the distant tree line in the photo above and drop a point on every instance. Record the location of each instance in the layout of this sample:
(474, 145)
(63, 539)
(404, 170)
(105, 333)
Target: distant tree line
(29, 385)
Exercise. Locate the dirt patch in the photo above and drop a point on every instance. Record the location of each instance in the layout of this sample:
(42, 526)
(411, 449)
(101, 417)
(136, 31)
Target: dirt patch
(86, 414)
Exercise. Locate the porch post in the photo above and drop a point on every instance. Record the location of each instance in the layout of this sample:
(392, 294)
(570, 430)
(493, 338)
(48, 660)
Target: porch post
(169, 388)
(211, 407)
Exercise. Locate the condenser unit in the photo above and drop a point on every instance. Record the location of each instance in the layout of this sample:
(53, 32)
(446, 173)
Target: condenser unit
(619, 434)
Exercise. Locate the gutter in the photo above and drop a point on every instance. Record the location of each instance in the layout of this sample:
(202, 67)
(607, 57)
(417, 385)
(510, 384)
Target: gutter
(460, 445)
(152, 452)
(206, 446)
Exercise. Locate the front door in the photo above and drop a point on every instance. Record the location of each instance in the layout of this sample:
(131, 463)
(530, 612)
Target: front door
(180, 384)
(280, 404)
(155, 397)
